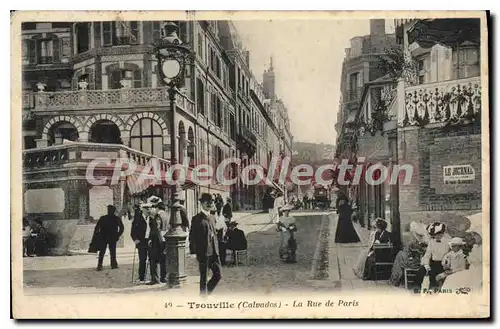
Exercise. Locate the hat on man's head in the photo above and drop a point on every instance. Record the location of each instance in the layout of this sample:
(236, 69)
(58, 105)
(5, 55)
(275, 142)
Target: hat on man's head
(436, 228)
(232, 224)
(110, 206)
(206, 197)
(456, 241)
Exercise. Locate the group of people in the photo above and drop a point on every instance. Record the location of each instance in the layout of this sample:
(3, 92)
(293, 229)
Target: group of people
(437, 259)
(34, 238)
(212, 234)
(434, 261)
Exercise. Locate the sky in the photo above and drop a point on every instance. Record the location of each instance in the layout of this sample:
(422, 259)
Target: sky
(307, 59)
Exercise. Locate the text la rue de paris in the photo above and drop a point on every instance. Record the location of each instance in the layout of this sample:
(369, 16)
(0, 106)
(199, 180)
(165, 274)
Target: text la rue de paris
(328, 303)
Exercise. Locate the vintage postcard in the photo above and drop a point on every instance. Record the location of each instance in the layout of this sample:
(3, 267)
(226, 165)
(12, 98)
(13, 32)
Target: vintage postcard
(250, 165)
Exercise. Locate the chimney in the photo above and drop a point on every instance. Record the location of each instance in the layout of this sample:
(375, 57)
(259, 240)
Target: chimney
(377, 26)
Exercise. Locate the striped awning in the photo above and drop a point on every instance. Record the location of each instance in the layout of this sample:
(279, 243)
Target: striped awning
(137, 185)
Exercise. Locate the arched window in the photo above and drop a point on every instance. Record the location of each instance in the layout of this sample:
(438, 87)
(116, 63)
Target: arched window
(146, 136)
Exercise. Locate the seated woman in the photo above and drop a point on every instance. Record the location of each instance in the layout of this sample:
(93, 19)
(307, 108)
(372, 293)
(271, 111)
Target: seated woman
(409, 257)
(382, 236)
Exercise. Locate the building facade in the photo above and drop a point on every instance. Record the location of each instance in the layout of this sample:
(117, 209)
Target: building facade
(91, 89)
(360, 66)
(425, 116)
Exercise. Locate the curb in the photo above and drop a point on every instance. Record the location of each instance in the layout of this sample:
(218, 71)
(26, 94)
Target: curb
(321, 245)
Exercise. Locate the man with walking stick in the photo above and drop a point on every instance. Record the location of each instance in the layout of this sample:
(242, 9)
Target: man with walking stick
(139, 233)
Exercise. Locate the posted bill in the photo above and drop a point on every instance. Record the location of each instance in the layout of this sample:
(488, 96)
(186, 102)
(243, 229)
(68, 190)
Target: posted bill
(250, 165)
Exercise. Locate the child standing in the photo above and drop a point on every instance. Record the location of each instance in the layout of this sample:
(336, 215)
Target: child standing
(454, 261)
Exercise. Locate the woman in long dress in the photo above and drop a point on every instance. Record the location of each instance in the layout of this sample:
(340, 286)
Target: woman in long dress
(345, 229)
(409, 257)
(359, 269)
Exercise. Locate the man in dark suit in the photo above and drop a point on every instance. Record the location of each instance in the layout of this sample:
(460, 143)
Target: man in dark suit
(203, 243)
(110, 227)
(159, 225)
(139, 233)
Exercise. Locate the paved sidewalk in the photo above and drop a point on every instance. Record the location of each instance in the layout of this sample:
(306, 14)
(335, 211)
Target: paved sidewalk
(347, 257)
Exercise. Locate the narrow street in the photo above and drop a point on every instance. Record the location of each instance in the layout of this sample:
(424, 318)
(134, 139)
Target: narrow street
(321, 265)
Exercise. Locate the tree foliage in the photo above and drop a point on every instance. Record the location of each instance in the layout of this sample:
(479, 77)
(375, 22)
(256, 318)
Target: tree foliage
(398, 64)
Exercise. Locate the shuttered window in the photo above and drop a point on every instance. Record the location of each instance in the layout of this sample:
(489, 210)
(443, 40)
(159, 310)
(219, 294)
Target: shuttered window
(107, 33)
(97, 34)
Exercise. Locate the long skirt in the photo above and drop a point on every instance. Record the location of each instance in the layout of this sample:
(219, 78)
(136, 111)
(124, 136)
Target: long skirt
(345, 230)
(359, 268)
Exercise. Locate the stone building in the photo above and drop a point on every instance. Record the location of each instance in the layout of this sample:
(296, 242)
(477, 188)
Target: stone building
(431, 123)
(91, 90)
(439, 122)
(360, 66)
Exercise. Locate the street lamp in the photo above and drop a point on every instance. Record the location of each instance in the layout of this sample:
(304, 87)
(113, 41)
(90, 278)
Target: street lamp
(173, 57)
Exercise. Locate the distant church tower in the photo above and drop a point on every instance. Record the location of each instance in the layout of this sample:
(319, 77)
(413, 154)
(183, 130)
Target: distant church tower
(269, 81)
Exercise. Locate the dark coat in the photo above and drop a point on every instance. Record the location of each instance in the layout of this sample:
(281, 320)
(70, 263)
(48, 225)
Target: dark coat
(138, 230)
(236, 240)
(97, 242)
(203, 236)
(110, 227)
(227, 211)
(383, 237)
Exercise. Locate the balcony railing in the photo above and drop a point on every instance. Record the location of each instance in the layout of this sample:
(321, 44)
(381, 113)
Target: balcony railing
(105, 99)
(79, 153)
(248, 135)
(442, 102)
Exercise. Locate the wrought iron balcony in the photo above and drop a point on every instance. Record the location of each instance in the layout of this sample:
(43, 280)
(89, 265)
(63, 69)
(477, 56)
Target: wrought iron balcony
(106, 99)
(443, 102)
(248, 136)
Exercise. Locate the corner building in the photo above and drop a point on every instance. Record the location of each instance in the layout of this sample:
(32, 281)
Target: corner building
(91, 90)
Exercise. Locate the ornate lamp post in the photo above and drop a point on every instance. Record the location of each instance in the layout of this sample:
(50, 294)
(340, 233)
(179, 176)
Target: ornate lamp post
(172, 58)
